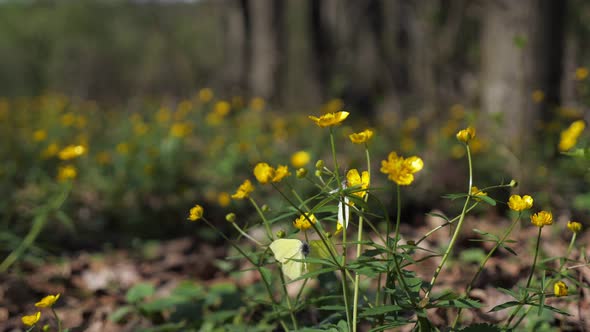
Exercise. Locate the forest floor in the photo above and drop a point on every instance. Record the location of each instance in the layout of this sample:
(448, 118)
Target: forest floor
(93, 285)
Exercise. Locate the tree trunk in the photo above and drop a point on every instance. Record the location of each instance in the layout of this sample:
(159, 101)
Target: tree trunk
(521, 44)
(267, 51)
(235, 46)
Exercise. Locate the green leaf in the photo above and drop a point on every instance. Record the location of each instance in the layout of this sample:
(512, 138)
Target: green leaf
(339, 308)
(506, 305)
(375, 311)
(162, 304)
(140, 292)
(121, 313)
(486, 199)
(473, 255)
(438, 215)
(457, 303)
(168, 327)
(266, 274)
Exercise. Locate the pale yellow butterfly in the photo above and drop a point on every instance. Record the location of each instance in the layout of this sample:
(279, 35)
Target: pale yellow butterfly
(291, 253)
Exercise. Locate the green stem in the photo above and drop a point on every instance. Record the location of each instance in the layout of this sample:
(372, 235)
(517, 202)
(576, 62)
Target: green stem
(264, 221)
(287, 298)
(528, 282)
(359, 250)
(57, 319)
(457, 230)
(483, 263)
(41, 217)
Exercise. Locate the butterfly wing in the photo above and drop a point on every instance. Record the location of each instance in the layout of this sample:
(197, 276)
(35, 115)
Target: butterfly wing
(285, 250)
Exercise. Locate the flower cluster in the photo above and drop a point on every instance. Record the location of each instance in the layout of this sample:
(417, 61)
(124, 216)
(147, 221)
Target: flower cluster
(401, 170)
(569, 137)
(265, 173)
(46, 302)
(304, 221)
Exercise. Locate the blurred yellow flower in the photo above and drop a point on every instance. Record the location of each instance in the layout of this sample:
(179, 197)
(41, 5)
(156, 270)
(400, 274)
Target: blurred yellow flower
(569, 137)
(196, 213)
(355, 179)
(71, 152)
(581, 73)
(163, 114)
(518, 203)
(457, 111)
(205, 95)
(574, 226)
(103, 158)
(265, 173)
(50, 151)
(475, 191)
(465, 135)
(39, 135)
(244, 190)
(401, 170)
(47, 301)
(538, 96)
(410, 124)
(237, 102)
(31, 320)
(123, 148)
(333, 106)
(362, 137)
(180, 129)
(560, 289)
(140, 128)
(257, 104)
(68, 119)
(330, 119)
(68, 172)
(542, 218)
(302, 223)
(300, 159)
(223, 199)
(222, 108)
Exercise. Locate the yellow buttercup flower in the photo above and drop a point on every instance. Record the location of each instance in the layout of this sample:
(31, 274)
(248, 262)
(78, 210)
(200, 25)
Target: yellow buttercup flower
(467, 134)
(196, 213)
(330, 119)
(538, 96)
(281, 172)
(401, 170)
(569, 137)
(205, 95)
(257, 104)
(31, 320)
(265, 173)
(518, 203)
(223, 199)
(71, 152)
(39, 135)
(362, 137)
(222, 108)
(300, 159)
(475, 191)
(244, 190)
(180, 129)
(542, 218)
(581, 73)
(354, 179)
(302, 223)
(560, 289)
(574, 226)
(67, 172)
(47, 301)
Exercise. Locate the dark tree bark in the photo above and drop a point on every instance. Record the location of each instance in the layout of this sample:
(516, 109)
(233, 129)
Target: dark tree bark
(236, 48)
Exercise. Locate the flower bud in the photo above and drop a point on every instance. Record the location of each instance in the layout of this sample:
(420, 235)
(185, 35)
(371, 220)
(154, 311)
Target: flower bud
(318, 173)
(281, 234)
(265, 208)
(301, 173)
(319, 164)
(513, 183)
(230, 217)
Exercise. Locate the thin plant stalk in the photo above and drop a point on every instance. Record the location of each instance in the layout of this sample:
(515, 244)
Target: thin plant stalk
(264, 221)
(56, 319)
(483, 263)
(529, 280)
(457, 230)
(359, 250)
